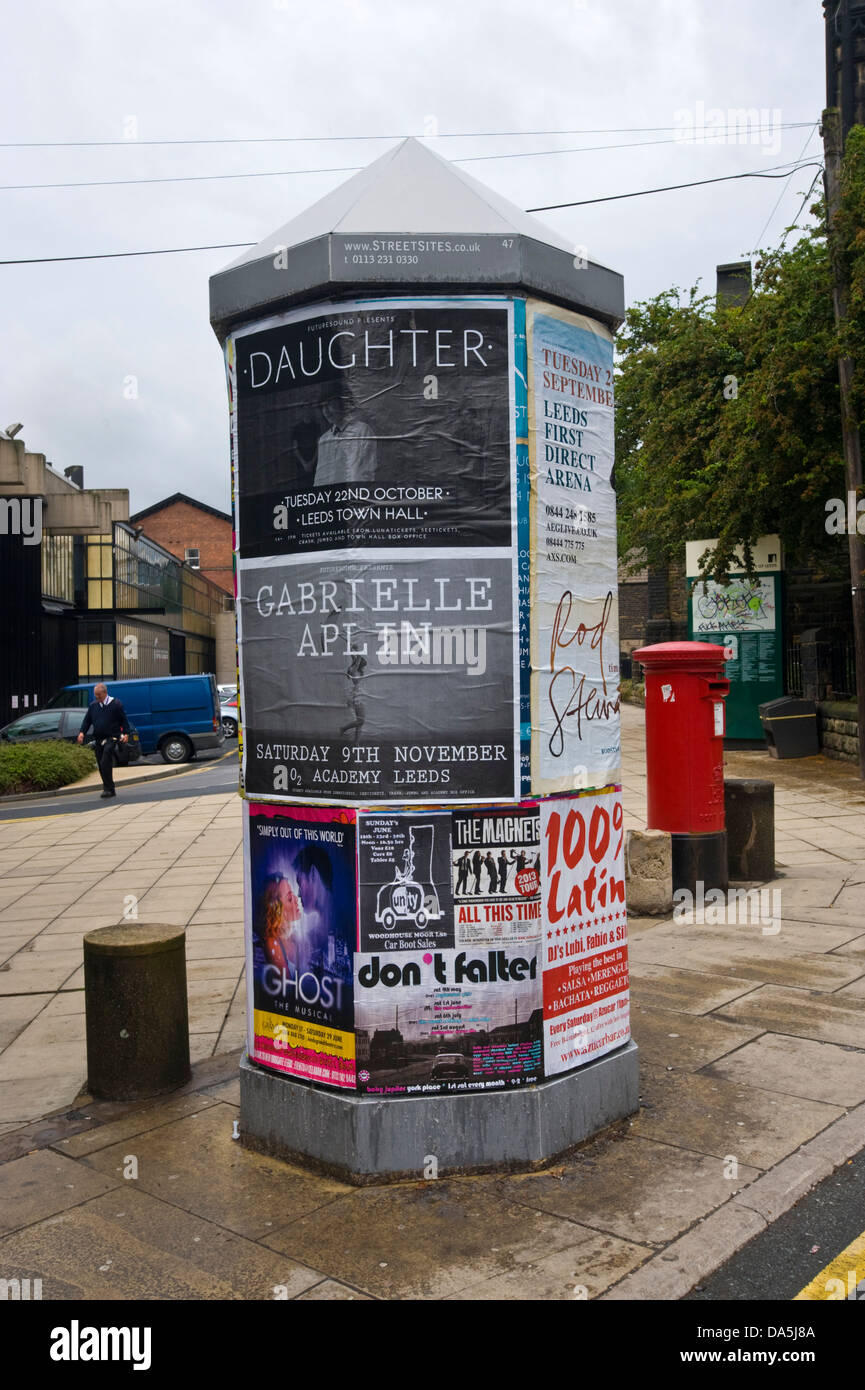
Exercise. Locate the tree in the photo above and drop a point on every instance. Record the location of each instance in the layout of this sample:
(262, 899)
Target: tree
(727, 417)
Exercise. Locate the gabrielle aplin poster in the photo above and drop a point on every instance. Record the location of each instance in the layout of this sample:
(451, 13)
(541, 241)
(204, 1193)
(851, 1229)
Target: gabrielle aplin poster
(301, 927)
(574, 587)
(390, 678)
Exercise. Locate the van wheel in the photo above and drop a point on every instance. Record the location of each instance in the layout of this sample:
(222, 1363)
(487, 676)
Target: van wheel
(176, 748)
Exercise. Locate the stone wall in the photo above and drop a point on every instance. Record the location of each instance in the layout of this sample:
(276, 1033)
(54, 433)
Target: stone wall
(838, 726)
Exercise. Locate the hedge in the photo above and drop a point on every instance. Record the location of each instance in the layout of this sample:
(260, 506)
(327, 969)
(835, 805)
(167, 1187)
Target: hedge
(633, 692)
(31, 767)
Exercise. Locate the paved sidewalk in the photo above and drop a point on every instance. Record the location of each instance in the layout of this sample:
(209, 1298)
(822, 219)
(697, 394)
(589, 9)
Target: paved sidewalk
(752, 1077)
(176, 861)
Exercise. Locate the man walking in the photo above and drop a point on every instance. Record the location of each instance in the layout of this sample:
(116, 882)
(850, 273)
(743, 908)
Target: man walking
(107, 718)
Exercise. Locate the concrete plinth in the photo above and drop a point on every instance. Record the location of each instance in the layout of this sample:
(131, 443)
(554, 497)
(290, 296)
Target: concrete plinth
(136, 1010)
(366, 1140)
(649, 872)
(749, 808)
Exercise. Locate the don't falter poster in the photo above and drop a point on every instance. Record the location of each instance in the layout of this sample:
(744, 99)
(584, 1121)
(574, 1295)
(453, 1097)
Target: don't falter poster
(301, 913)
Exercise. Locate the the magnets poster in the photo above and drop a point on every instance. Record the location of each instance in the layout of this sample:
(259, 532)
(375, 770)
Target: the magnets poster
(585, 929)
(301, 907)
(387, 679)
(574, 641)
(495, 863)
(385, 423)
(436, 1022)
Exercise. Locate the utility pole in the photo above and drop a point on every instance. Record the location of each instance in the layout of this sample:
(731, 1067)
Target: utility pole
(840, 24)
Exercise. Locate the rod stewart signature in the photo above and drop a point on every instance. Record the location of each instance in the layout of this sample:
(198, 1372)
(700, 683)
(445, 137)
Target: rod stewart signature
(571, 695)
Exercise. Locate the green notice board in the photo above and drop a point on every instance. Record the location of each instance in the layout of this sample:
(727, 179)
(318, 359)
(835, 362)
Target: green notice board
(745, 617)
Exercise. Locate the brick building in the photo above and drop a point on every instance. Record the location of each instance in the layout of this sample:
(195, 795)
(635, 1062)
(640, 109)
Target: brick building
(193, 532)
(84, 595)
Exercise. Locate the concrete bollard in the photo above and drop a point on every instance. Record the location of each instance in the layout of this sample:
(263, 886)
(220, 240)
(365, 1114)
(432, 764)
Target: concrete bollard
(137, 1015)
(749, 807)
(649, 872)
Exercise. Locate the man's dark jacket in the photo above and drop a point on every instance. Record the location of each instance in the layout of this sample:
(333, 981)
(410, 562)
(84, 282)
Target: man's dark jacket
(106, 721)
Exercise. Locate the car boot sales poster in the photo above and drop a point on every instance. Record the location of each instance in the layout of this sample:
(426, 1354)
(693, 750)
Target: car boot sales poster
(373, 424)
(388, 678)
(405, 901)
(301, 923)
(584, 929)
(574, 587)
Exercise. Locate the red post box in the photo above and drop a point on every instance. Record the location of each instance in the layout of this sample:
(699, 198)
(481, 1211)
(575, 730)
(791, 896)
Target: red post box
(685, 724)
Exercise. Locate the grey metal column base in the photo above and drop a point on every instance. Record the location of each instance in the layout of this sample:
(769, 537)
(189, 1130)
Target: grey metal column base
(366, 1140)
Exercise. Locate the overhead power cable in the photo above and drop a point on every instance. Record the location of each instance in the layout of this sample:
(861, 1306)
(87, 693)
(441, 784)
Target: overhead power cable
(808, 140)
(338, 169)
(240, 245)
(670, 187)
(338, 139)
(770, 260)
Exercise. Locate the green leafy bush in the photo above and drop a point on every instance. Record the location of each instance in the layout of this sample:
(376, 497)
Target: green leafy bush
(32, 767)
(633, 692)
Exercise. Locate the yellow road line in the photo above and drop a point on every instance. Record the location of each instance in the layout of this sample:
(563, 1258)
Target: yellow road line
(841, 1275)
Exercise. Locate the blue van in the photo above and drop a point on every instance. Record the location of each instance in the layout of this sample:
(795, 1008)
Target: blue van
(174, 715)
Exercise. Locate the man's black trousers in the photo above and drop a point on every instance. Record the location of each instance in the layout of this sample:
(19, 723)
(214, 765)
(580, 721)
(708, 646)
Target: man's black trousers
(105, 755)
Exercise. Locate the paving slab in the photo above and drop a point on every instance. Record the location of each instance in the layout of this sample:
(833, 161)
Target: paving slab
(691, 991)
(723, 1118)
(140, 1121)
(584, 1270)
(332, 1291)
(825, 1017)
(685, 1042)
(750, 959)
(855, 947)
(131, 1246)
(195, 1164)
(202, 1045)
(797, 1067)
(16, 1011)
(637, 1189)
(43, 1184)
(381, 1240)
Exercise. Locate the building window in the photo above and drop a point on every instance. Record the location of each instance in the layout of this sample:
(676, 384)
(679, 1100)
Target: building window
(100, 572)
(58, 571)
(193, 558)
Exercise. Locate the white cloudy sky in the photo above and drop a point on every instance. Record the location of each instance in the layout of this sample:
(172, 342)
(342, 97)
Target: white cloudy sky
(72, 333)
